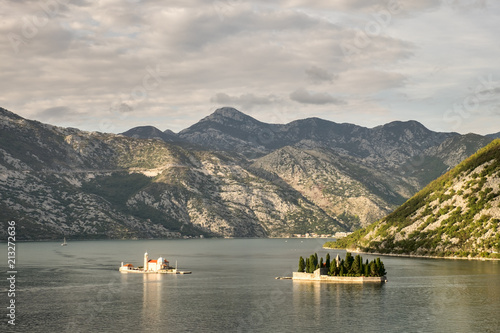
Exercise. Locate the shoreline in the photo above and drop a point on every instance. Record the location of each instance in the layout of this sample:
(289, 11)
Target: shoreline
(416, 255)
(153, 239)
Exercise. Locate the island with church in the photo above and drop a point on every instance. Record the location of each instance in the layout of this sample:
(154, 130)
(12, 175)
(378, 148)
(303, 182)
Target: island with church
(348, 270)
(152, 266)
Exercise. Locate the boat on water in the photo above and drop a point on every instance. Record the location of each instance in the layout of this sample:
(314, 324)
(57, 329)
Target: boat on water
(64, 242)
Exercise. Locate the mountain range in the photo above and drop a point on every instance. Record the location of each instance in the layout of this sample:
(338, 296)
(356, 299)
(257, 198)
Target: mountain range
(227, 175)
(355, 174)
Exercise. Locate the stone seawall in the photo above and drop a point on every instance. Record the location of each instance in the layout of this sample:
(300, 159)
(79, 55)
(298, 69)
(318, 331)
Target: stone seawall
(316, 276)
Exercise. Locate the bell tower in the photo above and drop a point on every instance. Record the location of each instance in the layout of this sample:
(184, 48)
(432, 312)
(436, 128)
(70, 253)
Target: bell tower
(146, 259)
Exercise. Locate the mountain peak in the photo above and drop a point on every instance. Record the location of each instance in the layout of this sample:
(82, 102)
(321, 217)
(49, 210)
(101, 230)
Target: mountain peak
(413, 124)
(151, 132)
(229, 113)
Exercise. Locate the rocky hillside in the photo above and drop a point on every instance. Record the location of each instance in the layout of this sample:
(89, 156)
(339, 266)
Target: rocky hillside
(355, 174)
(59, 182)
(346, 190)
(456, 215)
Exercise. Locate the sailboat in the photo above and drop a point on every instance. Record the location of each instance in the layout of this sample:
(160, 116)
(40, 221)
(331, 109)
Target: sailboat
(64, 242)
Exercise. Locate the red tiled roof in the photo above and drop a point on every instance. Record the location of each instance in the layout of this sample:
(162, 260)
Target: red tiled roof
(128, 265)
(154, 261)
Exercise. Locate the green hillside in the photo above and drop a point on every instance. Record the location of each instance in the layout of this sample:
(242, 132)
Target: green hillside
(457, 215)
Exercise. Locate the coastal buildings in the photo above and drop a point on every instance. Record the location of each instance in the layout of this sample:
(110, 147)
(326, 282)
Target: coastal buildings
(337, 235)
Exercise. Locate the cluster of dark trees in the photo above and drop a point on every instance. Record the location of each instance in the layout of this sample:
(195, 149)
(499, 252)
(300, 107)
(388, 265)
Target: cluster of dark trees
(350, 266)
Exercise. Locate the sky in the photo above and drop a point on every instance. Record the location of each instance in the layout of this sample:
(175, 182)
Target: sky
(110, 65)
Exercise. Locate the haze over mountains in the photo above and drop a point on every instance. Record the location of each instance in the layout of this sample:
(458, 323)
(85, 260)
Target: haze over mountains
(226, 175)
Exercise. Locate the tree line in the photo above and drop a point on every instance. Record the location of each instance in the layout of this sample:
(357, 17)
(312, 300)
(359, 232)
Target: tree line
(350, 266)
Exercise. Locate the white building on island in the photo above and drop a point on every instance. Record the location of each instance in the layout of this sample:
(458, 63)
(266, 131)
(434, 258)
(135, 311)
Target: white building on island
(152, 265)
(160, 265)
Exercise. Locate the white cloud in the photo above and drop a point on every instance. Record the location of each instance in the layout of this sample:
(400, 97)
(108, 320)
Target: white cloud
(303, 96)
(317, 74)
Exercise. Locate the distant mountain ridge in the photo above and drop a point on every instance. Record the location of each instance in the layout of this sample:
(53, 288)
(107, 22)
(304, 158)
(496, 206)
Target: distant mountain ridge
(457, 215)
(230, 129)
(494, 135)
(386, 164)
(227, 175)
(394, 143)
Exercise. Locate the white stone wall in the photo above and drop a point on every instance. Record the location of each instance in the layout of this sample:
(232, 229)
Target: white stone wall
(316, 276)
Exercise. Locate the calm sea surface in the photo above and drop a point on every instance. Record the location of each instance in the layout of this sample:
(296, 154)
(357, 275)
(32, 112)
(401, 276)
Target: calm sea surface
(78, 288)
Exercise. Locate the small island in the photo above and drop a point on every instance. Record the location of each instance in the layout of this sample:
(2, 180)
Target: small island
(348, 270)
(152, 266)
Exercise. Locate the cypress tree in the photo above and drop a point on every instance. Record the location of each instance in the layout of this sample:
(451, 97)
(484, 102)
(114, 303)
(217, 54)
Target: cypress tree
(333, 269)
(380, 268)
(307, 265)
(315, 259)
(327, 262)
(302, 265)
(348, 262)
(356, 266)
(312, 264)
(347, 267)
(373, 269)
(320, 263)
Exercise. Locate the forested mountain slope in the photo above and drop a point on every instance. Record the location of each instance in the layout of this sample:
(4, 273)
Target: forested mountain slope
(458, 214)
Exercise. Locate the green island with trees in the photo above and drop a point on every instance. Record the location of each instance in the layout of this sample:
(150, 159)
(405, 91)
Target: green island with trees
(350, 266)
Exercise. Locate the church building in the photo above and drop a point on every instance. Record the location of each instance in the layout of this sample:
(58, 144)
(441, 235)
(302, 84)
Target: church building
(154, 265)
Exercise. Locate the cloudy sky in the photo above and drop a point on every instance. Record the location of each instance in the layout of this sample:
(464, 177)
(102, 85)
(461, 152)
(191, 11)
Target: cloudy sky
(109, 65)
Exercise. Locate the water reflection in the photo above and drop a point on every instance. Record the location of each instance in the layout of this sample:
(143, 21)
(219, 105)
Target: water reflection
(226, 293)
(333, 302)
(151, 299)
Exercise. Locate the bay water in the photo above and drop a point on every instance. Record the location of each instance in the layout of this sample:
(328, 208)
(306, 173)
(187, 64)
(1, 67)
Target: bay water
(232, 288)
